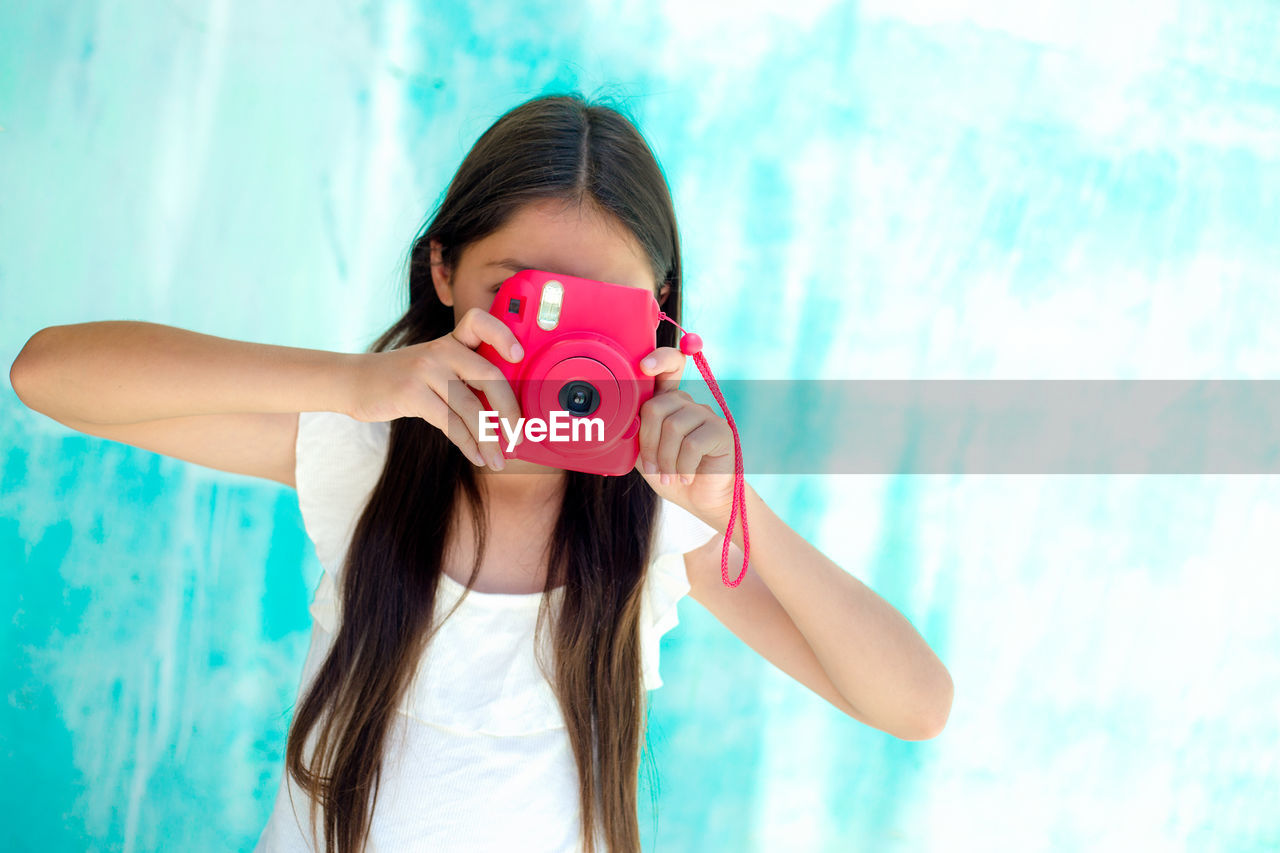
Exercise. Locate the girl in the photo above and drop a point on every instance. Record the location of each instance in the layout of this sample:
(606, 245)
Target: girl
(425, 692)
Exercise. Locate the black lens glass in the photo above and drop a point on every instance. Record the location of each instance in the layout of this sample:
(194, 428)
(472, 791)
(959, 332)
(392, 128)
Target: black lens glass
(579, 398)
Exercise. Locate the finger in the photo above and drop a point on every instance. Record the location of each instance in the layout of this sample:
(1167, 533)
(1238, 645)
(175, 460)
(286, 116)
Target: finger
(476, 371)
(464, 441)
(666, 365)
(478, 327)
(466, 405)
(436, 412)
(711, 438)
(675, 427)
(652, 413)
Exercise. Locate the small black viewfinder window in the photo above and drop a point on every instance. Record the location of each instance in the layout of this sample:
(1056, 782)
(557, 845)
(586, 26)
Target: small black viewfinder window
(513, 307)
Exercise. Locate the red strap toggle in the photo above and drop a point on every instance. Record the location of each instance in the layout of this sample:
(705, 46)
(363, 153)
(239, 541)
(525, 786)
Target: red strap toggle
(691, 345)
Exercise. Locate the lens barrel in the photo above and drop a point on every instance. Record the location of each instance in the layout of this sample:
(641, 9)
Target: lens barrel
(579, 398)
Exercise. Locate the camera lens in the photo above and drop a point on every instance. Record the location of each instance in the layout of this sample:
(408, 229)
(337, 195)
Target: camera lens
(579, 398)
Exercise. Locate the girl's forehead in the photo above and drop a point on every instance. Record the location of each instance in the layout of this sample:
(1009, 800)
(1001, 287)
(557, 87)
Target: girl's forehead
(567, 240)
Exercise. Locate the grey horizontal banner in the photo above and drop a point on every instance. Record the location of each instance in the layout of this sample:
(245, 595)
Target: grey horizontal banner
(1003, 426)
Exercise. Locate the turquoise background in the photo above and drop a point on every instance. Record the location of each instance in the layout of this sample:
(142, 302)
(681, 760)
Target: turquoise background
(900, 190)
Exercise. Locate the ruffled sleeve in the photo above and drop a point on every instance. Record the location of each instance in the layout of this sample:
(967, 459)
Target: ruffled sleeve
(679, 531)
(339, 461)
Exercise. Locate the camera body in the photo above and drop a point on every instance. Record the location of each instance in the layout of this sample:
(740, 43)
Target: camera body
(583, 341)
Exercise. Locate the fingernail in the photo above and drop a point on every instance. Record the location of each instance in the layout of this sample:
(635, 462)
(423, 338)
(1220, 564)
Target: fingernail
(650, 468)
(517, 352)
(686, 479)
(666, 479)
(649, 362)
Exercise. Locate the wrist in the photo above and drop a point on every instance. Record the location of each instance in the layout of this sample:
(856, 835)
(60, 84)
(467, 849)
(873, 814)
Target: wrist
(343, 379)
(718, 517)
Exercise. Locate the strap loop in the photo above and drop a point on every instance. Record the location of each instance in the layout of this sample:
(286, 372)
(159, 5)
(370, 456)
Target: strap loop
(691, 344)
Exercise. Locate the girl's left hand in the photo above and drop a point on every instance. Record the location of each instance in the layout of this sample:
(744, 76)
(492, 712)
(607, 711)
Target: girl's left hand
(686, 449)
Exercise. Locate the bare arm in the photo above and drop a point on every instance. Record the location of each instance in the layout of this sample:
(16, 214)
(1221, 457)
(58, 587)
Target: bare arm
(234, 405)
(219, 403)
(869, 652)
(125, 372)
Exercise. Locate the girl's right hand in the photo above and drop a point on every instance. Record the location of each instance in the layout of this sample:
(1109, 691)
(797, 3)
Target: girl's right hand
(433, 381)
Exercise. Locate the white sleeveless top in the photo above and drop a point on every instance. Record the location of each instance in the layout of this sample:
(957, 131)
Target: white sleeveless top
(479, 759)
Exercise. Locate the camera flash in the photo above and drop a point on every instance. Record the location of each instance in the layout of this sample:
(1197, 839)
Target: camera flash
(549, 306)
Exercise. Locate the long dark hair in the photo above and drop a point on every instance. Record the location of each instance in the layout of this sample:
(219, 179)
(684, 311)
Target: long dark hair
(552, 147)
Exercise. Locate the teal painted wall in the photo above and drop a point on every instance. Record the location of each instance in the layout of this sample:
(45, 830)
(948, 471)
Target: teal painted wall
(873, 190)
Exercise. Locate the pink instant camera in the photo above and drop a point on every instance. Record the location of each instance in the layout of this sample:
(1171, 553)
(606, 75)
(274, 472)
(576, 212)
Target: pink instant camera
(580, 376)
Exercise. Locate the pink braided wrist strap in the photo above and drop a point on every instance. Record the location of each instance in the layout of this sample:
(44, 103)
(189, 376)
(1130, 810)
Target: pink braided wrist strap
(691, 344)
